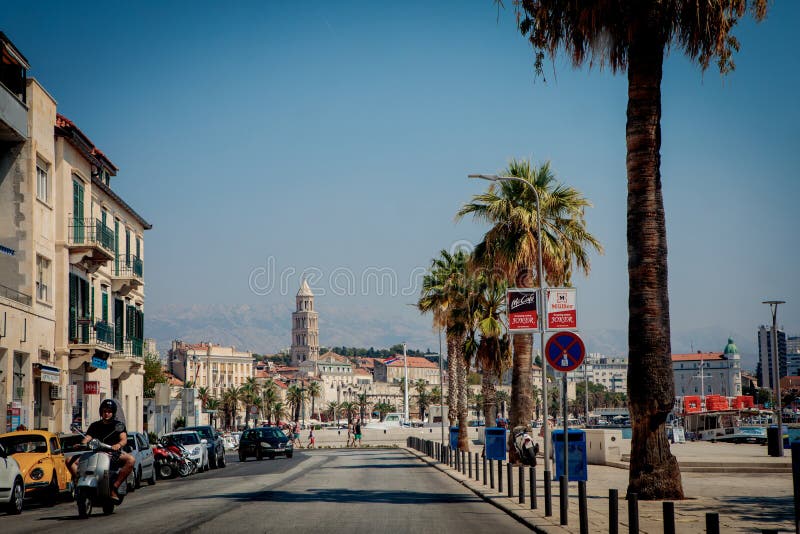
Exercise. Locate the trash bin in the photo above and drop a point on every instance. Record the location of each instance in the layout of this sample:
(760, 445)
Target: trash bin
(495, 443)
(773, 441)
(454, 438)
(576, 444)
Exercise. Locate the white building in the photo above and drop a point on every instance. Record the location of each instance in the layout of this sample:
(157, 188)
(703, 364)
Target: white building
(764, 368)
(609, 371)
(708, 373)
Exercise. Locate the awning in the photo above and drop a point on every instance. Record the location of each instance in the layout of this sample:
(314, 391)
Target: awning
(6, 250)
(99, 363)
(48, 373)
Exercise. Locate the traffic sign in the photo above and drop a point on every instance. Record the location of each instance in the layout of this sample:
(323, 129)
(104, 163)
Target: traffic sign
(565, 351)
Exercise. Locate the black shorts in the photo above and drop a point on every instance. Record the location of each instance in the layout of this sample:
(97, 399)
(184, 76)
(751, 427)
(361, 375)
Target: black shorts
(115, 455)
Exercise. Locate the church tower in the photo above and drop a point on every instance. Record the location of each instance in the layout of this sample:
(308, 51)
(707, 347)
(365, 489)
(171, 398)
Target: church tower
(305, 329)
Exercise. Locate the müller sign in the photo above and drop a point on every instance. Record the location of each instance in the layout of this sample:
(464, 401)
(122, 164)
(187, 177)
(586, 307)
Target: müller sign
(523, 313)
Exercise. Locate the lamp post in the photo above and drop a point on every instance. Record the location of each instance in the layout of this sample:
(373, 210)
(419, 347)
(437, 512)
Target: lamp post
(776, 375)
(405, 384)
(542, 296)
(441, 388)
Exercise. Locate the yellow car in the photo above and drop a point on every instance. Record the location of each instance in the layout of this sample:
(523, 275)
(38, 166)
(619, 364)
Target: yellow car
(41, 463)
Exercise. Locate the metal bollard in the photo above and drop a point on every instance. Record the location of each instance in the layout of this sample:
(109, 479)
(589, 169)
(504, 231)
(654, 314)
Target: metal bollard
(712, 523)
(563, 498)
(669, 517)
(500, 476)
(464, 457)
(477, 471)
(532, 482)
(613, 511)
(469, 464)
(521, 484)
(484, 469)
(582, 507)
(510, 477)
(491, 474)
(633, 513)
(548, 495)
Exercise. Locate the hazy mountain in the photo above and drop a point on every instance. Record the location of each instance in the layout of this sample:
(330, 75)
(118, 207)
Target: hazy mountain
(267, 329)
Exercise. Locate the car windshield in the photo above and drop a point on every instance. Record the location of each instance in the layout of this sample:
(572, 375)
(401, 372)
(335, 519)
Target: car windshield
(203, 431)
(272, 433)
(73, 443)
(29, 443)
(186, 439)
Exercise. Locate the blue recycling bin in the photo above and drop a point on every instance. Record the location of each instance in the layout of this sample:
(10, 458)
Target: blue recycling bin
(495, 438)
(454, 438)
(576, 445)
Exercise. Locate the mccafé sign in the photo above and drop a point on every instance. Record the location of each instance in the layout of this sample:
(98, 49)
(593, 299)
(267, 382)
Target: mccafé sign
(522, 310)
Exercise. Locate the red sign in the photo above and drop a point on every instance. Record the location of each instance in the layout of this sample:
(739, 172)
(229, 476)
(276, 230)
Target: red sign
(565, 351)
(91, 388)
(523, 313)
(561, 310)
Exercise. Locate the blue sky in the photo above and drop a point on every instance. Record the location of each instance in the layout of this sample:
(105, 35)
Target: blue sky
(339, 135)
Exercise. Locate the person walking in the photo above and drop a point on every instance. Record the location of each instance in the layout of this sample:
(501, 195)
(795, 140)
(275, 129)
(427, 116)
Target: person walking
(296, 435)
(311, 438)
(351, 440)
(357, 438)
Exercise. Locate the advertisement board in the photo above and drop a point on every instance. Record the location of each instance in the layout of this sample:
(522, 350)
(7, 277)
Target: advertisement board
(522, 310)
(562, 313)
(91, 387)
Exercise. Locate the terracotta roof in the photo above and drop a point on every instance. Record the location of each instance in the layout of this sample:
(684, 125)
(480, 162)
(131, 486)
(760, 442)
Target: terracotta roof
(790, 381)
(69, 126)
(261, 374)
(335, 357)
(369, 363)
(697, 356)
(413, 361)
(360, 371)
(280, 383)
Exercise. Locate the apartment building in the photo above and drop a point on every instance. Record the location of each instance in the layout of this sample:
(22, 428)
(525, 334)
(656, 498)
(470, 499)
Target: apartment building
(210, 365)
(392, 370)
(766, 355)
(708, 373)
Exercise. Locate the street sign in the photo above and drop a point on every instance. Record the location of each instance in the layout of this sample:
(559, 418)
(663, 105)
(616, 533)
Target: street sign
(561, 309)
(523, 312)
(91, 387)
(565, 351)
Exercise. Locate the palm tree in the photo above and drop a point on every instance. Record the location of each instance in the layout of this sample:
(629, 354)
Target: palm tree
(313, 391)
(511, 247)
(230, 400)
(212, 404)
(492, 353)
(634, 37)
(444, 291)
(295, 396)
(203, 394)
(383, 408)
(331, 410)
(348, 409)
(269, 396)
(251, 390)
(279, 412)
(362, 405)
(423, 397)
(436, 395)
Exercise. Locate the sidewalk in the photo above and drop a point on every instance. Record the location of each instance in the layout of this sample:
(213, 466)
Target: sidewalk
(745, 503)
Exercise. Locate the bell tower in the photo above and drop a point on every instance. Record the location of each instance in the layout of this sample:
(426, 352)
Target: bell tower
(305, 329)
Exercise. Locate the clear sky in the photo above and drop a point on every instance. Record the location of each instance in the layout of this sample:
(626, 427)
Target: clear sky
(338, 136)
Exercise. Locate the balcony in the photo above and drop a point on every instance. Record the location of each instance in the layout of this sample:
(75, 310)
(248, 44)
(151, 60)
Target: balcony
(15, 295)
(127, 274)
(13, 111)
(128, 360)
(86, 337)
(90, 242)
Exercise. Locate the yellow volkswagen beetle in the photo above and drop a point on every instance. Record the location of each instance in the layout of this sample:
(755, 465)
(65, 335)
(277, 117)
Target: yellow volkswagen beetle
(41, 463)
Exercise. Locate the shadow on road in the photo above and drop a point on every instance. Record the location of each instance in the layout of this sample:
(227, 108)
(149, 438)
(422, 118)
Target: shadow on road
(341, 495)
(377, 466)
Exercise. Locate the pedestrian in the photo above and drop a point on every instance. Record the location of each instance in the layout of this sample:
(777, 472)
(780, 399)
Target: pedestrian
(351, 439)
(296, 435)
(311, 438)
(357, 438)
(20, 428)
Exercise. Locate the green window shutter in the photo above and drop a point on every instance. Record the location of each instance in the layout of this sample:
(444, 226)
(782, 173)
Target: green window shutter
(116, 247)
(77, 211)
(138, 248)
(105, 306)
(127, 248)
(91, 304)
(103, 218)
(72, 332)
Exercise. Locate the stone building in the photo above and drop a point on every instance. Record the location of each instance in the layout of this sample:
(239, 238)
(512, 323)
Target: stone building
(305, 327)
(708, 373)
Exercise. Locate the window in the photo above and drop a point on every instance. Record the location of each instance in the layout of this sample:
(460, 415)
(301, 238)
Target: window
(42, 278)
(42, 182)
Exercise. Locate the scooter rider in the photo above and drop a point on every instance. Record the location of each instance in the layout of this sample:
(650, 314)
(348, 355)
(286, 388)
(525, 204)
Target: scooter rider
(112, 432)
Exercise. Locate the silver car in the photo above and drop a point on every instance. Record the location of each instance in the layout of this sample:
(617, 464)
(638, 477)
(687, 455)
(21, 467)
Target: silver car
(12, 486)
(144, 468)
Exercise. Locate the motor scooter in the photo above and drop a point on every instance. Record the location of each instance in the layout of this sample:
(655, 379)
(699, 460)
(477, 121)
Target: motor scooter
(96, 478)
(526, 448)
(185, 465)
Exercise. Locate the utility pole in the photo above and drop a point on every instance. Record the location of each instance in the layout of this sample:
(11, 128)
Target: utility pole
(405, 383)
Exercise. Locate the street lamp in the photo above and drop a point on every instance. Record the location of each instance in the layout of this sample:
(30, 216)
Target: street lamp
(542, 296)
(776, 375)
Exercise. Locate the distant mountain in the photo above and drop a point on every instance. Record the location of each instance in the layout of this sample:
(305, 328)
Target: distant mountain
(267, 329)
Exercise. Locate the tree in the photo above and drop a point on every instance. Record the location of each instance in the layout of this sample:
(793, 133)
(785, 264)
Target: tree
(279, 412)
(511, 247)
(153, 374)
(314, 391)
(362, 405)
(635, 36)
(331, 410)
(493, 350)
(502, 401)
(203, 394)
(269, 396)
(348, 409)
(251, 391)
(230, 401)
(383, 408)
(215, 405)
(295, 396)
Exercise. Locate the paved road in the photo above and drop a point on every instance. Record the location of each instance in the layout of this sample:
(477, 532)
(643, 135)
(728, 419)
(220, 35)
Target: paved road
(347, 491)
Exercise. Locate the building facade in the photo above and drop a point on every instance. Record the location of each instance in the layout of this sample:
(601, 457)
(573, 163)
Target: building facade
(305, 327)
(211, 366)
(764, 370)
(418, 369)
(708, 373)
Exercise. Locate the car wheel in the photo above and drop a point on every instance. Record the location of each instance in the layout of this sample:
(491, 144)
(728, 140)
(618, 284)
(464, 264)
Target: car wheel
(165, 471)
(108, 508)
(14, 506)
(212, 461)
(221, 460)
(139, 479)
(242, 457)
(51, 493)
(289, 454)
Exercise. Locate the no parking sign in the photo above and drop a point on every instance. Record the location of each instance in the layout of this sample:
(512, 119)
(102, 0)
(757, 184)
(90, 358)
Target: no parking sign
(565, 351)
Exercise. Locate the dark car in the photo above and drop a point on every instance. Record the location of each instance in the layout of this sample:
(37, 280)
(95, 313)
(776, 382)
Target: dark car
(215, 444)
(266, 441)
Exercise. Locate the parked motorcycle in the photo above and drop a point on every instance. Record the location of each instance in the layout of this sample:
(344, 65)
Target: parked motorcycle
(95, 479)
(166, 462)
(185, 465)
(526, 448)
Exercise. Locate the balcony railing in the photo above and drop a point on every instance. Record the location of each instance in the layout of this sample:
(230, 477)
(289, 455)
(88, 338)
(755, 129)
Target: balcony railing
(84, 332)
(13, 294)
(91, 232)
(131, 347)
(128, 266)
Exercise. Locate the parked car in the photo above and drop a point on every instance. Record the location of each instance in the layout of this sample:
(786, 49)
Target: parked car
(144, 468)
(216, 446)
(266, 441)
(194, 444)
(12, 485)
(42, 463)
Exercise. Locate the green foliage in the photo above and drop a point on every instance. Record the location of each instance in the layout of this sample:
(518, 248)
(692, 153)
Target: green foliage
(375, 353)
(179, 423)
(474, 379)
(152, 437)
(153, 374)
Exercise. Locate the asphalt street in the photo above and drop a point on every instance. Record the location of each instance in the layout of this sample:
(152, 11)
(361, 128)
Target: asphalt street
(324, 490)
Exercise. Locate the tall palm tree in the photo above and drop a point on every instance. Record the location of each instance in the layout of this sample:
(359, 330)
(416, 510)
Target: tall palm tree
(214, 406)
(348, 409)
(444, 292)
(269, 396)
(331, 410)
(251, 390)
(362, 405)
(230, 399)
(493, 351)
(510, 248)
(383, 408)
(634, 36)
(295, 396)
(436, 394)
(279, 412)
(313, 391)
(203, 394)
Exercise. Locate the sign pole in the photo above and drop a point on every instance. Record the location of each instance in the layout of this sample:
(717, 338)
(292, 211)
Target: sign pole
(565, 409)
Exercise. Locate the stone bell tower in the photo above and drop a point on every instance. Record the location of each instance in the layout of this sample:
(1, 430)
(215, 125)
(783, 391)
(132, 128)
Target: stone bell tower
(305, 329)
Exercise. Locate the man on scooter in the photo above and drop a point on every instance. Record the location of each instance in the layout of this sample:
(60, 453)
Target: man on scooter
(112, 432)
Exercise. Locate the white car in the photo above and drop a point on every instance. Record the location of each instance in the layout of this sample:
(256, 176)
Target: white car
(191, 441)
(12, 485)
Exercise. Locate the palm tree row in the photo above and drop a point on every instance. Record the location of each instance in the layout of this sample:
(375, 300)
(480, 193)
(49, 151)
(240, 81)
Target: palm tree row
(466, 293)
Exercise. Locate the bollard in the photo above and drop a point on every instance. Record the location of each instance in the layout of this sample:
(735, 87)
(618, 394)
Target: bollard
(712, 523)
(464, 456)
(521, 484)
(613, 511)
(469, 464)
(532, 482)
(563, 499)
(796, 482)
(500, 476)
(582, 507)
(633, 513)
(510, 473)
(669, 517)
(548, 495)
(484, 469)
(477, 472)
(491, 474)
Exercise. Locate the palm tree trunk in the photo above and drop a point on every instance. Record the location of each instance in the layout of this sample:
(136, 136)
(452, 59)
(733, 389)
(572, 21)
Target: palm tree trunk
(654, 471)
(489, 392)
(521, 410)
(452, 373)
(463, 408)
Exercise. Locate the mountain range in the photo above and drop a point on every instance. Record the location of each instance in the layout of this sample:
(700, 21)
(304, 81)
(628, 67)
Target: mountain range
(267, 329)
